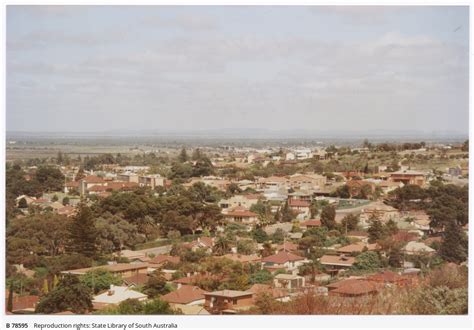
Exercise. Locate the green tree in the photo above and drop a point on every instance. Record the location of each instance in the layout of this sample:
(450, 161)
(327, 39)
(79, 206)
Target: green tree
(369, 260)
(82, 232)
(328, 217)
(262, 277)
(455, 244)
(66, 201)
(69, 295)
(100, 279)
(156, 284)
(350, 222)
(376, 230)
(183, 156)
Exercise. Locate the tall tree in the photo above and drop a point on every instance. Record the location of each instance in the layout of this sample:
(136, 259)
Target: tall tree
(455, 244)
(376, 230)
(82, 232)
(183, 156)
(328, 217)
(69, 295)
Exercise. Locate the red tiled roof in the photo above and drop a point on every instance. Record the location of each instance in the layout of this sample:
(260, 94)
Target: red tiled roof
(282, 257)
(184, 295)
(137, 279)
(93, 179)
(404, 236)
(72, 184)
(385, 276)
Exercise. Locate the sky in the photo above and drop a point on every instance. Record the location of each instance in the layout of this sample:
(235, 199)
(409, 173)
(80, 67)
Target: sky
(182, 68)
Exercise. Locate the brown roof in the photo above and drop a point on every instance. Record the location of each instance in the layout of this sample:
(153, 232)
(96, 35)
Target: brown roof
(229, 293)
(337, 260)
(93, 179)
(72, 184)
(354, 287)
(184, 295)
(241, 213)
(404, 236)
(385, 277)
(195, 278)
(282, 257)
(111, 268)
(159, 259)
(311, 223)
(137, 279)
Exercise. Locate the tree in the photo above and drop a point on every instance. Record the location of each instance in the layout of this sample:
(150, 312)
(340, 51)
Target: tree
(82, 232)
(376, 230)
(66, 201)
(100, 279)
(45, 289)
(80, 174)
(465, 146)
(455, 244)
(262, 277)
(222, 246)
(246, 247)
(156, 284)
(278, 236)
(391, 227)
(395, 257)
(287, 214)
(328, 217)
(54, 198)
(69, 295)
(350, 222)
(260, 235)
(369, 260)
(183, 156)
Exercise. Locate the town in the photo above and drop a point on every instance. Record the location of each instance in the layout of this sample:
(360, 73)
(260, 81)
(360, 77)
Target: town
(317, 228)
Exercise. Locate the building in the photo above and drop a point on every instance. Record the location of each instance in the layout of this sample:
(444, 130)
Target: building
(283, 260)
(353, 288)
(336, 263)
(185, 295)
(124, 270)
(241, 215)
(408, 177)
(115, 295)
(288, 281)
(228, 301)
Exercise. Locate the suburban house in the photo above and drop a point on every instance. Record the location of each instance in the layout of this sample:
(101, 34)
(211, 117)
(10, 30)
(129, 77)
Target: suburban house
(273, 183)
(417, 248)
(115, 295)
(241, 215)
(185, 295)
(288, 281)
(201, 243)
(408, 177)
(228, 301)
(336, 263)
(307, 181)
(124, 270)
(91, 180)
(245, 201)
(299, 206)
(162, 259)
(277, 294)
(311, 223)
(283, 260)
